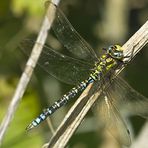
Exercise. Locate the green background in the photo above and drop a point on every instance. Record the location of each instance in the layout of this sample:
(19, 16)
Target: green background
(101, 23)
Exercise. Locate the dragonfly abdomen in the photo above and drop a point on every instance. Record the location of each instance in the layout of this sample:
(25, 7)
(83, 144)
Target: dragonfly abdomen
(103, 67)
(61, 102)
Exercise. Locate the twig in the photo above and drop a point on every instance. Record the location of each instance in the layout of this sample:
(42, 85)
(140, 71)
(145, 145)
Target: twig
(21, 87)
(83, 104)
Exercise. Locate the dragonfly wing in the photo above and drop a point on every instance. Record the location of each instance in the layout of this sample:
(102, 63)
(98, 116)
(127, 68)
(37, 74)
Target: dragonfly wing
(131, 102)
(64, 68)
(111, 118)
(70, 38)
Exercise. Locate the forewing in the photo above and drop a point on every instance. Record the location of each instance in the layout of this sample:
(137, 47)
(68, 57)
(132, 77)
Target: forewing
(62, 67)
(70, 38)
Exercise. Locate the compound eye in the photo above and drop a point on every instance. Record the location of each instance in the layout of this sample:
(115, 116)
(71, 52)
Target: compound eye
(118, 48)
(110, 48)
(115, 46)
(116, 54)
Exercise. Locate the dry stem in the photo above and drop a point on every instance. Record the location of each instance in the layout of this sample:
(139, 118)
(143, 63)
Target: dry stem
(26, 76)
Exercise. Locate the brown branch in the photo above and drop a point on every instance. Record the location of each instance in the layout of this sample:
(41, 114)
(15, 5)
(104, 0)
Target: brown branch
(83, 104)
(26, 76)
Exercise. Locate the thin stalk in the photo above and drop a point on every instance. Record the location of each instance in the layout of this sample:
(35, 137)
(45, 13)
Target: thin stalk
(26, 75)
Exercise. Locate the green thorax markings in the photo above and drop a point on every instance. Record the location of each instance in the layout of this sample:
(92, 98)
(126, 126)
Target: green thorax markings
(108, 61)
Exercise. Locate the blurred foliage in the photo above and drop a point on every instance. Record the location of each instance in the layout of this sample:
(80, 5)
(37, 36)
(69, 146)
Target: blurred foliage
(31, 7)
(101, 23)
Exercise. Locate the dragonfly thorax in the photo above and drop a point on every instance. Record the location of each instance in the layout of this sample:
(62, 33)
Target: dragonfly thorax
(105, 64)
(108, 61)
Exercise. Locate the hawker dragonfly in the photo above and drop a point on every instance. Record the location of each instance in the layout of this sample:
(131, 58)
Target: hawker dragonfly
(89, 68)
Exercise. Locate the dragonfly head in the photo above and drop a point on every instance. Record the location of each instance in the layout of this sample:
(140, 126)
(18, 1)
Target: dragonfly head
(116, 52)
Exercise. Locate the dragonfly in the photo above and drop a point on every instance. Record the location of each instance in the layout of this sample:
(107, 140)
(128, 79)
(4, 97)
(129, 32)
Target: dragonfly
(86, 68)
